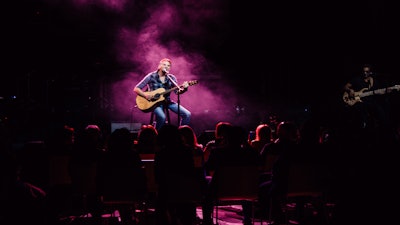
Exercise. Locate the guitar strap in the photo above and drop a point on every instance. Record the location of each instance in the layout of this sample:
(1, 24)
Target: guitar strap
(370, 82)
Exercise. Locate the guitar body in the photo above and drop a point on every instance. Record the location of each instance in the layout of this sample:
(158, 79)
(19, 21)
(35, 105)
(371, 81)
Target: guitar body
(353, 100)
(158, 97)
(148, 105)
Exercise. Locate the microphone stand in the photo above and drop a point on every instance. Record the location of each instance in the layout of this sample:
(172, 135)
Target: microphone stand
(179, 99)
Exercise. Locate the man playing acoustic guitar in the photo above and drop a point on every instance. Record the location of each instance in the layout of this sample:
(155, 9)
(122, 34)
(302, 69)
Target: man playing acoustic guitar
(154, 90)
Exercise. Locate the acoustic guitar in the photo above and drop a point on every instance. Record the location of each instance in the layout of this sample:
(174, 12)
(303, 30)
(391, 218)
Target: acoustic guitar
(157, 97)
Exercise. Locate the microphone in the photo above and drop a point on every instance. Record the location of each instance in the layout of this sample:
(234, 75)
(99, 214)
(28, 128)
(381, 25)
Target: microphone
(165, 70)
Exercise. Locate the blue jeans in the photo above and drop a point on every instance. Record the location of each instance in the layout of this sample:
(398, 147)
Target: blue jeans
(172, 106)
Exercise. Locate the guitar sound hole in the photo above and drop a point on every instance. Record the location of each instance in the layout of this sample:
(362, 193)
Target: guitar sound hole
(155, 97)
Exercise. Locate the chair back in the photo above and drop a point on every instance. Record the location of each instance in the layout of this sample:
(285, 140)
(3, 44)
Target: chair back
(269, 162)
(58, 170)
(148, 164)
(84, 179)
(146, 156)
(303, 180)
(121, 185)
(198, 161)
(237, 183)
(305, 189)
(184, 189)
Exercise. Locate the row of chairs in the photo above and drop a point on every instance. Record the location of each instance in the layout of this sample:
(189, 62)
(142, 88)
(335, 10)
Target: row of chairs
(84, 202)
(235, 185)
(305, 200)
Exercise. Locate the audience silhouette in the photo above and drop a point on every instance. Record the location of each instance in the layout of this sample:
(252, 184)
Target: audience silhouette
(146, 142)
(21, 201)
(274, 188)
(234, 152)
(263, 137)
(83, 164)
(73, 169)
(174, 165)
(60, 145)
(120, 175)
(219, 138)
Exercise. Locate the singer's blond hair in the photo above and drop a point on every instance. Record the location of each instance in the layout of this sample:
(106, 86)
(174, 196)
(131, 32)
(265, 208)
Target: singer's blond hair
(162, 61)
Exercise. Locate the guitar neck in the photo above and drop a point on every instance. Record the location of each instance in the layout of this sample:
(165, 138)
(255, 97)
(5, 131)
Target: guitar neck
(190, 83)
(380, 91)
(168, 91)
(367, 93)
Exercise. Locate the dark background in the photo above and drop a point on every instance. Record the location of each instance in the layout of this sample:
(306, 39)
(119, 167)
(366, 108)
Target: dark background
(59, 57)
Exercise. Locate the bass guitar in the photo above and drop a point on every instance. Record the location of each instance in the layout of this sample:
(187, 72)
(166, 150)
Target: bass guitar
(157, 97)
(364, 93)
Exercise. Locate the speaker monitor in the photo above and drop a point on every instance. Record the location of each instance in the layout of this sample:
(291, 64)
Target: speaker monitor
(133, 127)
